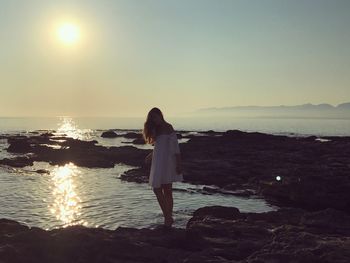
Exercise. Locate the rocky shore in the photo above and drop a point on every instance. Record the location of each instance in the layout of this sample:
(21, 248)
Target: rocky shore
(308, 172)
(213, 234)
(308, 176)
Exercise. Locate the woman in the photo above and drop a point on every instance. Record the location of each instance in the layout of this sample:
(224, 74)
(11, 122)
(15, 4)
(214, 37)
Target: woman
(166, 161)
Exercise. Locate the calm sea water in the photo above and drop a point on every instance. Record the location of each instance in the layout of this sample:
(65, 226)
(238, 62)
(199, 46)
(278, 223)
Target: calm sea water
(287, 126)
(97, 197)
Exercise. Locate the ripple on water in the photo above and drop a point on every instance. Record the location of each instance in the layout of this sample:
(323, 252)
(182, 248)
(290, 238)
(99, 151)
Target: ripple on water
(96, 197)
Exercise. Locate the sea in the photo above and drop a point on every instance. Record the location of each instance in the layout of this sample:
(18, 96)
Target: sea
(97, 197)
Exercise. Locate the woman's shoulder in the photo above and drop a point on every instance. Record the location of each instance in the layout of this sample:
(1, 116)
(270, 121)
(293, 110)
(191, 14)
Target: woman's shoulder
(167, 130)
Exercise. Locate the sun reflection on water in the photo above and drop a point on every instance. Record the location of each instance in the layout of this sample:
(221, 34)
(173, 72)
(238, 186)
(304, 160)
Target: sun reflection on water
(68, 127)
(66, 206)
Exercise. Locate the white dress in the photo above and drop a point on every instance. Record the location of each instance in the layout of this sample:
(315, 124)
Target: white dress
(163, 167)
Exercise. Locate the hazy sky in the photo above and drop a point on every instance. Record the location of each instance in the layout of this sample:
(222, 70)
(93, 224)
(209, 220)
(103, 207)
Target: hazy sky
(178, 55)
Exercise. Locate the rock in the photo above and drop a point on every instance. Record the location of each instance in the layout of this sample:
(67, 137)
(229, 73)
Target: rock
(138, 141)
(218, 212)
(81, 153)
(139, 175)
(81, 244)
(224, 191)
(255, 161)
(211, 132)
(47, 134)
(42, 171)
(19, 144)
(213, 234)
(19, 162)
(133, 135)
(109, 134)
(277, 236)
(10, 227)
(328, 220)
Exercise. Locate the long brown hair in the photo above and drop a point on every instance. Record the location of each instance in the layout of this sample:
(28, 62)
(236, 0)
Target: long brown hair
(150, 127)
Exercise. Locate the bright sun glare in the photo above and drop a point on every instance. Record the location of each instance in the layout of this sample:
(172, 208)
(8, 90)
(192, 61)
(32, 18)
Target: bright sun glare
(68, 33)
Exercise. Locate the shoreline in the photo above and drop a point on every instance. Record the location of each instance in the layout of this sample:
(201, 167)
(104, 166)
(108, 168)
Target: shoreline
(282, 169)
(8, 133)
(307, 178)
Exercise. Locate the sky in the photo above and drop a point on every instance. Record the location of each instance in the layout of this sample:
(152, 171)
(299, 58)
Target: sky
(180, 55)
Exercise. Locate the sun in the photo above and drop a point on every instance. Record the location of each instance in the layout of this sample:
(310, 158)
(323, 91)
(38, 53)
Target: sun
(68, 33)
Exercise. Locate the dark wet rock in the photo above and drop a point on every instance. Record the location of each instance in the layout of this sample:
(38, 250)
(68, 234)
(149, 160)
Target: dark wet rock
(277, 236)
(133, 135)
(109, 134)
(17, 161)
(9, 227)
(42, 171)
(138, 141)
(328, 220)
(80, 244)
(211, 132)
(213, 234)
(285, 170)
(34, 132)
(81, 153)
(218, 190)
(19, 144)
(47, 134)
(217, 211)
(255, 160)
(139, 175)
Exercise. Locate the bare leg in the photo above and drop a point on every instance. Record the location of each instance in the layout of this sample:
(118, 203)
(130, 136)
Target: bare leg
(168, 196)
(161, 200)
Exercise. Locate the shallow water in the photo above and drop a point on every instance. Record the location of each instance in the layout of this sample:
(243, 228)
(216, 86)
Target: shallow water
(69, 195)
(97, 197)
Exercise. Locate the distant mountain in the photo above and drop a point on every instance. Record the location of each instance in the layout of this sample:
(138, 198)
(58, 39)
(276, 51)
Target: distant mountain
(344, 106)
(305, 110)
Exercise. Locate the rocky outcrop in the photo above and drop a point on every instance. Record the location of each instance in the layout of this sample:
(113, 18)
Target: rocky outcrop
(287, 235)
(139, 141)
(133, 135)
(213, 234)
(62, 150)
(80, 244)
(109, 134)
(20, 161)
(301, 172)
